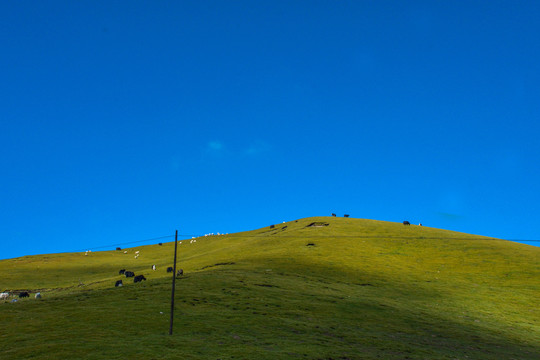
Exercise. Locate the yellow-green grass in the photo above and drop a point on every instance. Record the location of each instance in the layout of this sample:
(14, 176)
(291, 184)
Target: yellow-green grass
(356, 289)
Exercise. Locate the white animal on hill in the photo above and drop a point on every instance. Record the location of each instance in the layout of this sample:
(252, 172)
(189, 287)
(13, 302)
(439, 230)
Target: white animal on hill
(125, 252)
(4, 296)
(136, 252)
(38, 296)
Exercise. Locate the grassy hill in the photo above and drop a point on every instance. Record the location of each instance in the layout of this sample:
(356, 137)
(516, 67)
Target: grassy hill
(341, 289)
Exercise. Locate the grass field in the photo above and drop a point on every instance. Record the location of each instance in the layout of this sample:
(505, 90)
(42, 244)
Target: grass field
(352, 289)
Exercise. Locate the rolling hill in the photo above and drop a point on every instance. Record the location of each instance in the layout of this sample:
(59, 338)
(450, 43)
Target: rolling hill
(314, 288)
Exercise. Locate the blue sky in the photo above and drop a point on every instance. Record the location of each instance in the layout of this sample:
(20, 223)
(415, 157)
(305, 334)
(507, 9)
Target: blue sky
(126, 120)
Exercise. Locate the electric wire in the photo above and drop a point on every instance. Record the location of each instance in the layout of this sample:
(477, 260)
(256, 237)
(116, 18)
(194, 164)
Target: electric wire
(304, 236)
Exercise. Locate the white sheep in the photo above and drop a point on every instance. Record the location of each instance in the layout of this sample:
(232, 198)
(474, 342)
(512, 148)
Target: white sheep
(38, 296)
(4, 296)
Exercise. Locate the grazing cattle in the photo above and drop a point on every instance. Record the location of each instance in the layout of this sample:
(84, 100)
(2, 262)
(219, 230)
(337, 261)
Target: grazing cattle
(119, 283)
(170, 269)
(121, 272)
(153, 267)
(180, 272)
(129, 274)
(24, 294)
(160, 244)
(38, 296)
(272, 226)
(334, 215)
(4, 296)
(420, 224)
(406, 223)
(346, 215)
(118, 249)
(139, 278)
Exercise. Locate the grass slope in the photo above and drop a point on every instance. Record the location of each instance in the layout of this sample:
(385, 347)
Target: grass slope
(362, 289)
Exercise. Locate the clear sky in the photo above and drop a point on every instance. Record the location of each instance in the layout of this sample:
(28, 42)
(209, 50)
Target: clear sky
(125, 120)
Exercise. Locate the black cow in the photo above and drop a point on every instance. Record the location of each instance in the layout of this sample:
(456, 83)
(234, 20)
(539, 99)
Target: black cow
(24, 294)
(121, 272)
(272, 226)
(180, 272)
(406, 223)
(346, 215)
(170, 269)
(119, 283)
(118, 249)
(160, 244)
(129, 274)
(139, 278)
(334, 215)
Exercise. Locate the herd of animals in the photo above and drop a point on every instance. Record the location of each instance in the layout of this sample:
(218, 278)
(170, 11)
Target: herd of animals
(139, 278)
(20, 295)
(127, 274)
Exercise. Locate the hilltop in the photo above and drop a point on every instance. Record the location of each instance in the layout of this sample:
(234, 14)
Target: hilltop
(314, 288)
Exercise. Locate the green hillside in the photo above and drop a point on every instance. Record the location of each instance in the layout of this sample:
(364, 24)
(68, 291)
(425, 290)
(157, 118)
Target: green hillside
(342, 288)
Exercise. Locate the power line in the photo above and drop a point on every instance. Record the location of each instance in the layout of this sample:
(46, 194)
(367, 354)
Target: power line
(309, 236)
(125, 243)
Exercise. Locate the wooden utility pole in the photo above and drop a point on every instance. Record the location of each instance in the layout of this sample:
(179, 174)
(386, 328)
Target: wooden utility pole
(173, 282)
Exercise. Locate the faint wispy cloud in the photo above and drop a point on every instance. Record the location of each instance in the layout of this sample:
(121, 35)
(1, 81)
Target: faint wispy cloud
(257, 148)
(214, 146)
